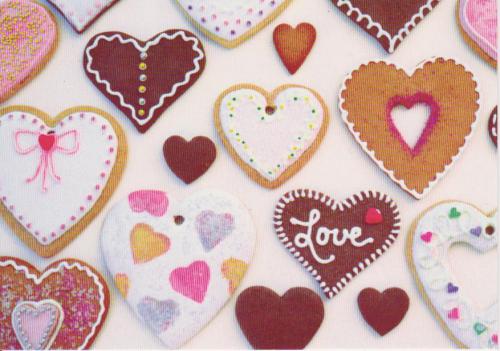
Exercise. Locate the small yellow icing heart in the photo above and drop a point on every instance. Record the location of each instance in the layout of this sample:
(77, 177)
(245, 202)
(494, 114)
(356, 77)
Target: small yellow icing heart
(122, 283)
(147, 245)
(233, 270)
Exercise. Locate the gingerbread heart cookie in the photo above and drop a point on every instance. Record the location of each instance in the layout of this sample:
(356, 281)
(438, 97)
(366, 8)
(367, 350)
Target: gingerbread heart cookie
(478, 25)
(372, 93)
(58, 172)
(273, 322)
(388, 21)
(271, 136)
(429, 241)
(177, 263)
(63, 307)
(335, 241)
(231, 22)
(82, 13)
(144, 78)
(294, 44)
(28, 33)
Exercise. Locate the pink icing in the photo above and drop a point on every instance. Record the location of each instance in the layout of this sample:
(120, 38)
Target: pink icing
(479, 21)
(28, 34)
(151, 201)
(191, 281)
(33, 327)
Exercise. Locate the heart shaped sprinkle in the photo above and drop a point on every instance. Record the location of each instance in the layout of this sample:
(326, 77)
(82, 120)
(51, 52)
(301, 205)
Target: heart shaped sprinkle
(454, 313)
(426, 237)
(476, 231)
(451, 288)
(454, 213)
(479, 328)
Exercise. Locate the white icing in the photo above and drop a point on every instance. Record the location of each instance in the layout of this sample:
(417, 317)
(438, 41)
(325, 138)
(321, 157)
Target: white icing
(142, 50)
(271, 143)
(435, 275)
(47, 215)
(81, 12)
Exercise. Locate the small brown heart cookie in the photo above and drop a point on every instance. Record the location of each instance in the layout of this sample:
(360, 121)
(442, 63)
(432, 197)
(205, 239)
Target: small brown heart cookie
(294, 44)
(335, 241)
(388, 21)
(287, 322)
(189, 160)
(371, 94)
(383, 311)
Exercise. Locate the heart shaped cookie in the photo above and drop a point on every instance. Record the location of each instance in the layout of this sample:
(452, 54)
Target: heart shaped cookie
(492, 125)
(189, 160)
(370, 95)
(271, 136)
(294, 44)
(388, 21)
(29, 38)
(231, 22)
(335, 241)
(63, 307)
(58, 172)
(144, 78)
(177, 291)
(273, 322)
(82, 13)
(478, 25)
(429, 240)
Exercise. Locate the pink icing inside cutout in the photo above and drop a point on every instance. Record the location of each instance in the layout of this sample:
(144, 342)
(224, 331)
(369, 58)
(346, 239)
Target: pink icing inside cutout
(191, 281)
(479, 20)
(27, 33)
(151, 201)
(34, 327)
(408, 102)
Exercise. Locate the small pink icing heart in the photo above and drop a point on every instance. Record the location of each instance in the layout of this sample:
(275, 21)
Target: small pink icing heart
(426, 237)
(191, 281)
(29, 35)
(454, 313)
(151, 201)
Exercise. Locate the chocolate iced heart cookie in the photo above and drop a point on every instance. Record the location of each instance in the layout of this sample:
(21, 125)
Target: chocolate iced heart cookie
(493, 125)
(177, 263)
(335, 241)
(373, 92)
(294, 44)
(388, 21)
(143, 78)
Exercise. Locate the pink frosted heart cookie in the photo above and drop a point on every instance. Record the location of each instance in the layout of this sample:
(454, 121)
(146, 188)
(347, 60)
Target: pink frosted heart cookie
(478, 24)
(28, 38)
(58, 172)
(177, 290)
(81, 14)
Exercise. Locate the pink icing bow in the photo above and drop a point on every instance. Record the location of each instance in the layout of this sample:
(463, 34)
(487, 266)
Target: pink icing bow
(47, 144)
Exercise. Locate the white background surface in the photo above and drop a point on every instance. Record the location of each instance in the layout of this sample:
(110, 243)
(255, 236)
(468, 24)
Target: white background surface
(339, 168)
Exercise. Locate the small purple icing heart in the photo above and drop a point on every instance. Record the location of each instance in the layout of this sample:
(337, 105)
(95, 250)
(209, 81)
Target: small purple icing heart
(213, 228)
(476, 231)
(452, 288)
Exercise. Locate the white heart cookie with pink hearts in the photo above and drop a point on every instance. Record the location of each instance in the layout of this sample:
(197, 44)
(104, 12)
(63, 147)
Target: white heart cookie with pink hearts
(57, 172)
(177, 263)
(82, 13)
(271, 135)
(231, 22)
(431, 237)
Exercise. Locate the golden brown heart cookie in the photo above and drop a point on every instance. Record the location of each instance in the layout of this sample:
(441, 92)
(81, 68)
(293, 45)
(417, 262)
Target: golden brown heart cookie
(446, 88)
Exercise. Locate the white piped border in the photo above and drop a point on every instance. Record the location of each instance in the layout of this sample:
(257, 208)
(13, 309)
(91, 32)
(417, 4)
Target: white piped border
(403, 32)
(64, 264)
(371, 153)
(349, 202)
(142, 49)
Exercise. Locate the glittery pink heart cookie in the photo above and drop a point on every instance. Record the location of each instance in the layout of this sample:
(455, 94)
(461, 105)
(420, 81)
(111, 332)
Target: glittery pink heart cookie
(81, 14)
(28, 34)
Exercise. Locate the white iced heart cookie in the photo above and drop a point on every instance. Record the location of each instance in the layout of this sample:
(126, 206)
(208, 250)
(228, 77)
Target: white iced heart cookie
(271, 135)
(57, 173)
(82, 13)
(429, 240)
(231, 22)
(177, 263)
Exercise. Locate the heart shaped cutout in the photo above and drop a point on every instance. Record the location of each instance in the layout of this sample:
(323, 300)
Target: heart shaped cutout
(231, 22)
(271, 136)
(143, 78)
(478, 25)
(366, 106)
(179, 291)
(333, 240)
(451, 223)
(387, 21)
(63, 307)
(81, 14)
(29, 38)
(46, 158)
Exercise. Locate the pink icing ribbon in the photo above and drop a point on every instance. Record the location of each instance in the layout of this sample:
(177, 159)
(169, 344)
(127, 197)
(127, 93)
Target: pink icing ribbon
(47, 144)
